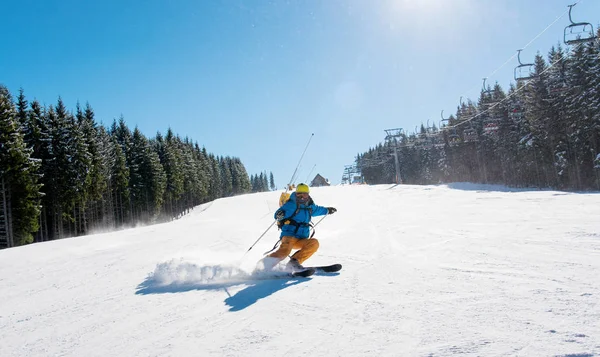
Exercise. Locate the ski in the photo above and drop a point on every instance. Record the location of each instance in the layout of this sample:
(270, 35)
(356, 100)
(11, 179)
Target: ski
(303, 273)
(327, 268)
(266, 275)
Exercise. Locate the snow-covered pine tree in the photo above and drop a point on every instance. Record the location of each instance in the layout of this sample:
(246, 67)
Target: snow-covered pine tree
(19, 187)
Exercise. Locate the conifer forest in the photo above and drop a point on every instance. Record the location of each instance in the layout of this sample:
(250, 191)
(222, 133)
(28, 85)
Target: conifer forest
(544, 132)
(63, 175)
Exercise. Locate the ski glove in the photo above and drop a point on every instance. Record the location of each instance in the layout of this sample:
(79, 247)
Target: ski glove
(331, 210)
(280, 214)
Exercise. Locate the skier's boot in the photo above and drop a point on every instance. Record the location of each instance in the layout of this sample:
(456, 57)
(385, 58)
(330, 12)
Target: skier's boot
(294, 265)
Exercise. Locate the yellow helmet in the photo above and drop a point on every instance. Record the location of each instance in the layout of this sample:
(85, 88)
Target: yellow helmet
(302, 188)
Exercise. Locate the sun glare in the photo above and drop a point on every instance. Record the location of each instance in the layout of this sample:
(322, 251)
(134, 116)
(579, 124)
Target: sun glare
(426, 15)
(419, 6)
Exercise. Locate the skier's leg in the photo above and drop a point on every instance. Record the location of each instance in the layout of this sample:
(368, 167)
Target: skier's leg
(271, 260)
(307, 248)
(285, 248)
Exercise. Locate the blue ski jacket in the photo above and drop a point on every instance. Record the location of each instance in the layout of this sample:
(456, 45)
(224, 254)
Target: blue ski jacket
(298, 216)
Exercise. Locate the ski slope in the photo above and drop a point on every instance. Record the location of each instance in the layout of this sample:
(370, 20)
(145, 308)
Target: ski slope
(464, 269)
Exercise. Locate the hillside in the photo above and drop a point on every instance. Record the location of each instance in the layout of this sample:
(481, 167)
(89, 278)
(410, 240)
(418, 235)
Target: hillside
(428, 271)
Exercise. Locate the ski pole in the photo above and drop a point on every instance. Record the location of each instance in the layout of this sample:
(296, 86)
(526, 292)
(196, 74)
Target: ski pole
(286, 189)
(311, 170)
(321, 220)
(259, 238)
(299, 161)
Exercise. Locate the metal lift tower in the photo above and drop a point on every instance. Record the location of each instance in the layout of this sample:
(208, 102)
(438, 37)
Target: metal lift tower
(392, 137)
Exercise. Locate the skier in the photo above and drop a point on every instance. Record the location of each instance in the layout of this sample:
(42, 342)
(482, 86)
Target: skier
(294, 220)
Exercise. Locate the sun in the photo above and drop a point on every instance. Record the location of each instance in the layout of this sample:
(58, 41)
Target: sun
(423, 14)
(419, 6)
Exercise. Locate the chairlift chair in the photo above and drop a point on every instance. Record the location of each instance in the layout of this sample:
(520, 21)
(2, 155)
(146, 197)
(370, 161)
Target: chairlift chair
(465, 111)
(559, 87)
(453, 137)
(491, 126)
(485, 90)
(489, 93)
(515, 113)
(470, 135)
(578, 32)
(523, 71)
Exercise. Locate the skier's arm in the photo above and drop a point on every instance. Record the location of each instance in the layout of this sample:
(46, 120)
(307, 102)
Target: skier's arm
(319, 210)
(285, 211)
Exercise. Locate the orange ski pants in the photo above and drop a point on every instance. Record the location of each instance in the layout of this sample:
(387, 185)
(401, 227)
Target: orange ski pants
(307, 248)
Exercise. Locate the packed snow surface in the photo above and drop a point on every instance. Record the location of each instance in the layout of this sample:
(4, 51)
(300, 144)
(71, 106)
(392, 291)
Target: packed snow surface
(461, 269)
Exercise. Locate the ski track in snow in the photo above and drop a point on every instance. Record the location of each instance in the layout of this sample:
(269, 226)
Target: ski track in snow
(462, 269)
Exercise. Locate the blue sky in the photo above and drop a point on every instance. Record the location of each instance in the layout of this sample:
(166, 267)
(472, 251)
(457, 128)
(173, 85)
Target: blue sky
(254, 79)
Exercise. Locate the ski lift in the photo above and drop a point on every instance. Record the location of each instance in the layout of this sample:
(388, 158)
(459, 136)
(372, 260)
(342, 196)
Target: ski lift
(559, 87)
(453, 137)
(430, 130)
(442, 116)
(470, 135)
(491, 126)
(578, 32)
(515, 113)
(523, 71)
(488, 95)
(485, 90)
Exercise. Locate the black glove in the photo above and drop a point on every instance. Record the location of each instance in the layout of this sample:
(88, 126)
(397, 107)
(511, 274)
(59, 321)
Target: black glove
(331, 210)
(280, 214)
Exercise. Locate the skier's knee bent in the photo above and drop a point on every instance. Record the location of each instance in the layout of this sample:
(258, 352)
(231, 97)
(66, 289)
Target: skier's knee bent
(310, 246)
(285, 248)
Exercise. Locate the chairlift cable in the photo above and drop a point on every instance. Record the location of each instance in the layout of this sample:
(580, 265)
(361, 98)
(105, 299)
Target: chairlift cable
(517, 90)
(524, 47)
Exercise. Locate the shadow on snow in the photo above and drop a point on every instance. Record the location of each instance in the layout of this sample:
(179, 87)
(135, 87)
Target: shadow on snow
(254, 290)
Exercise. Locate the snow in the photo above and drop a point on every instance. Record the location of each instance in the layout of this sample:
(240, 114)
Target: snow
(461, 269)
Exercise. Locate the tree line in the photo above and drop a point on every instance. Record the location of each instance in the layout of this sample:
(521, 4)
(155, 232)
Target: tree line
(544, 132)
(62, 174)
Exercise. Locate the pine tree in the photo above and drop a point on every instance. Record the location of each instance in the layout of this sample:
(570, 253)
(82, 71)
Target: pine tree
(226, 177)
(119, 184)
(105, 211)
(241, 181)
(20, 190)
(97, 178)
(172, 162)
(203, 171)
(272, 182)
(147, 179)
(21, 109)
